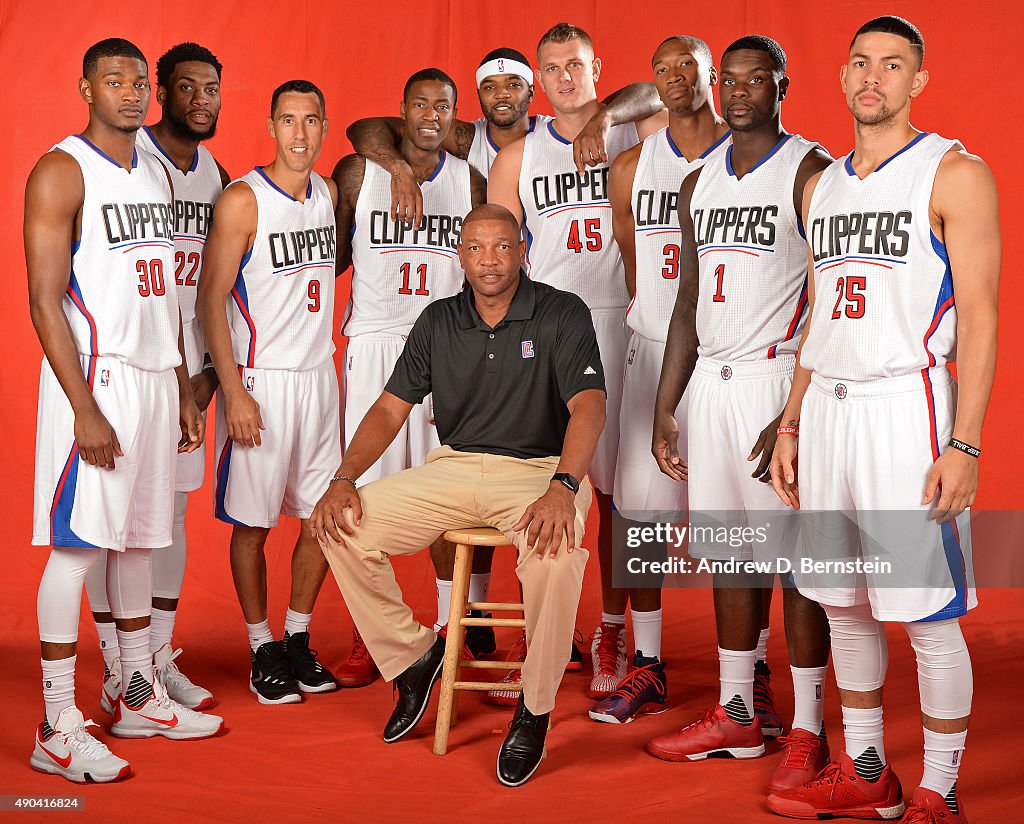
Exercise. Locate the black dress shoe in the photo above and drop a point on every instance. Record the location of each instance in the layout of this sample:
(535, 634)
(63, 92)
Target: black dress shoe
(523, 748)
(414, 687)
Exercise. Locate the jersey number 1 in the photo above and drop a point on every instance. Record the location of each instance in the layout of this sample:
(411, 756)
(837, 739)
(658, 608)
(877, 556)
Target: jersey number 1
(421, 272)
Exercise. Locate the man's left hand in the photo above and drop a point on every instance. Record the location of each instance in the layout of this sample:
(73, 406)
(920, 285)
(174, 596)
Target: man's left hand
(203, 386)
(953, 479)
(590, 146)
(764, 447)
(549, 518)
(193, 425)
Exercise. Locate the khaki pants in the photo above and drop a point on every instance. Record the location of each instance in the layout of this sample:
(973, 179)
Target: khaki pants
(405, 512)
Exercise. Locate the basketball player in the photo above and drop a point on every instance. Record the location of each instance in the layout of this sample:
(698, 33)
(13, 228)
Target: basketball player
(266, 307)
(98, 245)
(571, 246)
(904, 236)
(188, 91)
(731, 340)
(396, 271)
(643, 186)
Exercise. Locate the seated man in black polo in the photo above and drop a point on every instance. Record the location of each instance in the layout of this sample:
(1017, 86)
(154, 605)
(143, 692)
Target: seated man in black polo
(519, 402)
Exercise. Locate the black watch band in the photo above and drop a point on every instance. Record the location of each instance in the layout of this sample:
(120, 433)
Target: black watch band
(567, 480)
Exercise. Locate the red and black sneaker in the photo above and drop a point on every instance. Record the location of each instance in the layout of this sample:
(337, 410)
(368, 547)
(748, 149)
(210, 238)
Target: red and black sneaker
(764, 701)
(644, 690)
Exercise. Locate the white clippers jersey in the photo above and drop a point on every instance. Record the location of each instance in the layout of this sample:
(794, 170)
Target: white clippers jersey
(120, 300)
(398, 270)
(483, 150)
(882, 283)
(195, 192)
(752, 255)
(569, 219)
(282, 306)
(660, 171)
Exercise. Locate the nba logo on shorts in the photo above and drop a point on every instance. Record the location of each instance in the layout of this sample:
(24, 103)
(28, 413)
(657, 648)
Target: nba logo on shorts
(726, 373)
(632, 354)
(527, 348)
(841, 390)
(104, 377)
(250, 383)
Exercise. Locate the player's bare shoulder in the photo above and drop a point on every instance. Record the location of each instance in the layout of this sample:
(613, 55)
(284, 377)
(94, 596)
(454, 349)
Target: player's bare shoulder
(236, 208)
(348, 175)
(55, 179)
(963, 180)
(625, 164)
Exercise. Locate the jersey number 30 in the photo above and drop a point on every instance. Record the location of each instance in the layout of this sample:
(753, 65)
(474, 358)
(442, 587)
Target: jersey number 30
(151, 277)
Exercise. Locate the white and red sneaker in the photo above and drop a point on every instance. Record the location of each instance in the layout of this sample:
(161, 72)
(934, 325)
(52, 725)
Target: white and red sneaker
(804, 755)
(504, 696)
(176, 684)
(67, 749)
(111, 687)
(161, 715)
(838, 792)
(608, 651)
(715, 735)
(928, 807)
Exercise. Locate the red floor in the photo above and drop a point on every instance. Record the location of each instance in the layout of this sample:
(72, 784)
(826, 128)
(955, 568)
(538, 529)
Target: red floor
(324, 760)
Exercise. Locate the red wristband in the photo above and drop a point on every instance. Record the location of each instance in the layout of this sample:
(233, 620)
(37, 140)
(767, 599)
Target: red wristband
(789, 430)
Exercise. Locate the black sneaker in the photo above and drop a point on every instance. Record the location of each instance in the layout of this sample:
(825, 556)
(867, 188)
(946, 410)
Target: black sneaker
(576, 655)
(271, 678)
(413, 687)
(309, 673)
(523, 748)
(480, 640)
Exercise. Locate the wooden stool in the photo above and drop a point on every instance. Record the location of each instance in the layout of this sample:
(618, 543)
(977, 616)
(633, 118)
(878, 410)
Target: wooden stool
(465, 540)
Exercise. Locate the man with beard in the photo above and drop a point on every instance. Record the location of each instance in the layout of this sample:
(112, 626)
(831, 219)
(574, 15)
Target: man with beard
(884, 425)
(115, 405)
(397, 270)
(732, 340)
(188, 90)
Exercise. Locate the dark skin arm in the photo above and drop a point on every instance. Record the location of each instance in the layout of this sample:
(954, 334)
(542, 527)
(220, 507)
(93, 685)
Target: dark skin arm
(813, 164)
(636, 103)
(620, 194)
(348, 177)
(477, 187)
(681, 345)
(552, 516)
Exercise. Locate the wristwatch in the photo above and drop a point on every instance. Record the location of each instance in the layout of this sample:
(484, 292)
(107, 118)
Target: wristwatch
(568, 481)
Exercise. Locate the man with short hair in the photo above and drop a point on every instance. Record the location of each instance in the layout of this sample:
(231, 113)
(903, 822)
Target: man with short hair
(905, 251)
(266, 305)
(519, 402)
(396, 272)
(570, 245)
(188, 91)
(99, 249)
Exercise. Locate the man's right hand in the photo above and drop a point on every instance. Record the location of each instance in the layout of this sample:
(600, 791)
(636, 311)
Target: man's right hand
(664, 447)
(329, 514)
(242, 416)
(96, 439)
(406, 197)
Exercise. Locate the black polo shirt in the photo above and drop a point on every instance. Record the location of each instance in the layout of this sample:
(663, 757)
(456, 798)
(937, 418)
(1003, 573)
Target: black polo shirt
(501, 390)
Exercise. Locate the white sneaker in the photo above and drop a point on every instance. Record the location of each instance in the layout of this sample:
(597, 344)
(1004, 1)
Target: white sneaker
(111, 687)
(608, 651)
(67, 749)
(177, 685)
(161, 715)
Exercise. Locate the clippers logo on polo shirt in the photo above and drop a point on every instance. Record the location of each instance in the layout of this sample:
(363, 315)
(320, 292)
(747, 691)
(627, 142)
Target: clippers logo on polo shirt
(528, 349)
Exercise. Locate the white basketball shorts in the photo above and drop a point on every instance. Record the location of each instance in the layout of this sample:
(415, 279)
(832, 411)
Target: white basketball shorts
(130, 506)
(300, 451)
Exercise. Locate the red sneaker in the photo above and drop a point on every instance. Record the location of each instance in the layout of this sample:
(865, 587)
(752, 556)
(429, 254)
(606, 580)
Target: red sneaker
(509, 697)
(359, 670)
(838, 792)
(608, 651)
(804, 755)
(714, 735)
(928, 807)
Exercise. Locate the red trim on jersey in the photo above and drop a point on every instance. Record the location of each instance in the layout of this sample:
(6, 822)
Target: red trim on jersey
(940, 313)
(248, 321)
(800, 304)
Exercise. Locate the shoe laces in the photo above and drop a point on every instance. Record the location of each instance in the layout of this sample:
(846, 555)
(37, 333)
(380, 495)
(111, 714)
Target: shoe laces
(799, 750)
(610, 647)
(168, 703)
(309, 655)
(170, 674)
(920, 815)
(359, 651)
(639, 680)
(82, 742)
(831, 777)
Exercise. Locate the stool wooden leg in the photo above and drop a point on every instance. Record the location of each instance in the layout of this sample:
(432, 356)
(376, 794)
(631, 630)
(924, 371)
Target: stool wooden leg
(453, 647)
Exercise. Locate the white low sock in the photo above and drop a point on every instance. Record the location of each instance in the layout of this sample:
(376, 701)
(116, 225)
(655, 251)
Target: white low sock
(444, 603)
(943, 755)
(479, 586)
(736, 674)
(762, 644)
(613, 619)
(58, 686)
(809, 698)
(161, 628)
(108, 643)
(259, 634)
(136, 666)
(296, 622)
(647, 633)
(864, 734)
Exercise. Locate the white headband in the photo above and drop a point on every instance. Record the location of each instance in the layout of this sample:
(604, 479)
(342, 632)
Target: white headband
(504, 65)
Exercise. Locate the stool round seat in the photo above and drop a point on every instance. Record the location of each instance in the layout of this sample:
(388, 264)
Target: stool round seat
(476, 536)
